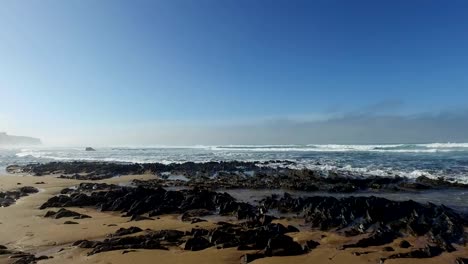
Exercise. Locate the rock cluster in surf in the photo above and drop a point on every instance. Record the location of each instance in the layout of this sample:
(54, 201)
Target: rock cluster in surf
(236, 174)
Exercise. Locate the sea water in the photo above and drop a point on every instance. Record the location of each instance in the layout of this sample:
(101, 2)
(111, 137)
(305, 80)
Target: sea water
(447, 160)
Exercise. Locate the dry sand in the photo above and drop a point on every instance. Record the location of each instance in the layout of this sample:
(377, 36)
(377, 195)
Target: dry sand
(23, 227)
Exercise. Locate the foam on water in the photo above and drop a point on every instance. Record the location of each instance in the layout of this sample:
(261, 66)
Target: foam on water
(401, 148)
(448, 160)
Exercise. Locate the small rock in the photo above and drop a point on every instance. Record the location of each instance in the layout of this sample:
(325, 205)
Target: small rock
(404, 244)
(197, 243)
(388, 249)
(461, 261)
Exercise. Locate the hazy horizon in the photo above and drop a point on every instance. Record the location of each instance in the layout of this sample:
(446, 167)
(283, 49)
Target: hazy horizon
(110, 73)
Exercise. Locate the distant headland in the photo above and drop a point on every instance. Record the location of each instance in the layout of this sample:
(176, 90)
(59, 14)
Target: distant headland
(10, 140)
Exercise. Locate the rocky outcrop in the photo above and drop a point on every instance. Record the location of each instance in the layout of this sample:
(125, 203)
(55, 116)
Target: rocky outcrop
(65, 213)
(268, 240)
(9, 197)
(426, 252)
(140, 200)
(379, 220)
(19, 257)
(383, 219)
(126, 231)
(236, 174)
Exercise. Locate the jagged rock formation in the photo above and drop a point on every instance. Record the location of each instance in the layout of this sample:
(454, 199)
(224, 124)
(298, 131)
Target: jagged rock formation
(378, 220)
(236, 174)
(383, 219)
(269, 239)
(9, 197)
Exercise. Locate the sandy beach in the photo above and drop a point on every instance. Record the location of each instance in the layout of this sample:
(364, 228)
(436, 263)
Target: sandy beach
(238, 132)
(24, 228)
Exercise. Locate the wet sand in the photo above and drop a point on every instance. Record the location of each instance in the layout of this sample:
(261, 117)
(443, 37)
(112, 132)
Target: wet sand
(23, 227)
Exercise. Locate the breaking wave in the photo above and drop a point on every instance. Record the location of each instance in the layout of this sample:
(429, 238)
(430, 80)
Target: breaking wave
(447, 160)
(399, 148)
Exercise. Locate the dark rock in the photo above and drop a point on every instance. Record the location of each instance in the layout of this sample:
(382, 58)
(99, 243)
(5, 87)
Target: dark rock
(426, 252)
(86, 243)
(62, 212)
(168, 235)
(236, 174)
(380, 237)
(138, 201)
(198, 232)
(292, 229)
(404, 244)
(127, 231)
(89, 149)
(382, 219)
(311, 244)
(50, 213)
(42, 258)
(188, 215)
(130, 242)
(197, 220)
(266, 219)
(360, 215)
(282, 245)
(388, 249)
(223, 238)
(461, 260)
(197, 243)
(70, 223)
(26, 258)
(9, 197)
(28, 189)
(5, 252)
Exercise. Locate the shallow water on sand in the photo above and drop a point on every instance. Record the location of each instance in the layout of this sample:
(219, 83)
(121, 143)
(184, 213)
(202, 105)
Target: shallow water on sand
(455, 198)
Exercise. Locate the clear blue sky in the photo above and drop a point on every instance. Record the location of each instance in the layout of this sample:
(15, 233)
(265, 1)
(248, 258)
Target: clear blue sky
(89, 63)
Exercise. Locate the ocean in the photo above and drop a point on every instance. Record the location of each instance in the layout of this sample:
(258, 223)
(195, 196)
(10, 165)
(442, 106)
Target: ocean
(447, 160)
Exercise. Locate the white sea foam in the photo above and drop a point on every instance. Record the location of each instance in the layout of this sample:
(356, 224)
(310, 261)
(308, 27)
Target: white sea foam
(398, 148)
(407, 160)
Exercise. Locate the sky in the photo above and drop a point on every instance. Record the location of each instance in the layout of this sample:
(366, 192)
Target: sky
(234, 72)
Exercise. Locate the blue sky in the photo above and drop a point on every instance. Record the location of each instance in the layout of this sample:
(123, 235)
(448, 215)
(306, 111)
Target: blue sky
(71, 67)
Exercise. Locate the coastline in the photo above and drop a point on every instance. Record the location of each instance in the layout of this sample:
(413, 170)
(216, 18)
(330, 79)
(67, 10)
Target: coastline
(25, 228)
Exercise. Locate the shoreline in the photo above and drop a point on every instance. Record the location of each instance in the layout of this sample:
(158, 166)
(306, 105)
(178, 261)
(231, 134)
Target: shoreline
(26, 229)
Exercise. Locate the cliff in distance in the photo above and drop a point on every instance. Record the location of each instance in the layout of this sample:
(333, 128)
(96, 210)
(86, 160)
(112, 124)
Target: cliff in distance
(9, 140)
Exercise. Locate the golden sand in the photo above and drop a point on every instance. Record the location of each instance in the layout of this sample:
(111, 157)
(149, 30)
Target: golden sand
(23, 227)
